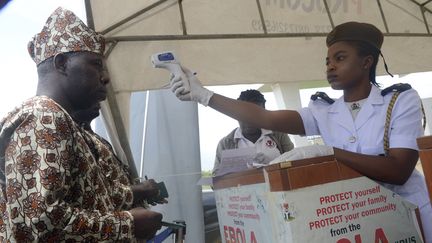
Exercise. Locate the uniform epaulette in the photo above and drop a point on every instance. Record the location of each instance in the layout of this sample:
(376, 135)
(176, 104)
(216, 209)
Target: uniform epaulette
(322, 96)
(400, 87)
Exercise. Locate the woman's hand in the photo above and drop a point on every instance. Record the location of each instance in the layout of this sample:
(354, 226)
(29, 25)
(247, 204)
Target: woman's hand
(190, 89)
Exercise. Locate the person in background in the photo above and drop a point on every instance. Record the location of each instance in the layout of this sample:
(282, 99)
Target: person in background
(353, 126)
(268, 144)
(59, 182)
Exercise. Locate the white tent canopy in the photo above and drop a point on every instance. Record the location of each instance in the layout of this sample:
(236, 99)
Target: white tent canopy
(247, 41)
(227, 42)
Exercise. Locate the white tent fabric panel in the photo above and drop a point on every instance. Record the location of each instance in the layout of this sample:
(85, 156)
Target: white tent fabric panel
(171, 154)
(277, 60)
(293, 17)
(158, 21)
(226, 43)
(361, 11)
(226, 62)
(428, 15)
(404, 17)
(220, 17)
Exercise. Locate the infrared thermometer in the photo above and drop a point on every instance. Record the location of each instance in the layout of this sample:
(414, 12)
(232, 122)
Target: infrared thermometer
(168, 61)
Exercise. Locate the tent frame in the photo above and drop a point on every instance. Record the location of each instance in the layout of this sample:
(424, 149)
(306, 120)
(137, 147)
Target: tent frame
(113, 41)
(265, 34)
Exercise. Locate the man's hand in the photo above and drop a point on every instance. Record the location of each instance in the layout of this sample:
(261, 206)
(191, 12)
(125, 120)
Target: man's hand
(146, 222)
(196, 93)
(147, 190)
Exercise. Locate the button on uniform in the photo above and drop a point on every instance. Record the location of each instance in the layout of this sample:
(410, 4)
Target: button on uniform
(352, 139)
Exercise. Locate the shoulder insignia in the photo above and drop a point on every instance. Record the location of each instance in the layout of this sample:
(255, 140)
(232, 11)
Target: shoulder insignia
(400, 87)
(322, 96)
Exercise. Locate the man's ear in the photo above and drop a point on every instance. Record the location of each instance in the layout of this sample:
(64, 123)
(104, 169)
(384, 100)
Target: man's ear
(59, 62)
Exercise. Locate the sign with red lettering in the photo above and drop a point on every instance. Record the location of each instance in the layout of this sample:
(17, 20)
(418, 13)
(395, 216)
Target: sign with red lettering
(355, 210)
(243, 214)
(350, 211)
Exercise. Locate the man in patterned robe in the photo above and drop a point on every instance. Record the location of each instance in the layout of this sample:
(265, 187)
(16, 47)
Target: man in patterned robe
(59, 182)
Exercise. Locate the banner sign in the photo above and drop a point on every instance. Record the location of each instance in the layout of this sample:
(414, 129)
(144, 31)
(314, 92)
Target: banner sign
(349, 211)
(357, 210)
(243, 214)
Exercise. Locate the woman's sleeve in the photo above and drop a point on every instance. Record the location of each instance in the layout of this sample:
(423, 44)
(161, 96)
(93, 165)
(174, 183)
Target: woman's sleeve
(406, 121)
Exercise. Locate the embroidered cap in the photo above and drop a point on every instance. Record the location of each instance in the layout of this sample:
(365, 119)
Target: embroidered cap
(355, 31)
(64, 32)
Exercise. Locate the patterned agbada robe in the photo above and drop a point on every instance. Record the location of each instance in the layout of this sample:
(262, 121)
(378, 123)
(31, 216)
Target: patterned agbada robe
(62, 183)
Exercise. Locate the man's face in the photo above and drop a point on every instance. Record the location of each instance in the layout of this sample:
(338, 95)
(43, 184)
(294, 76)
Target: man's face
(248, 129)
(87, 77)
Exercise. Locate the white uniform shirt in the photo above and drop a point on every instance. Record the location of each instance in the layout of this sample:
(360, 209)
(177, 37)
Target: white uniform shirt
(264, 144)
(365, 135)
(337, 128)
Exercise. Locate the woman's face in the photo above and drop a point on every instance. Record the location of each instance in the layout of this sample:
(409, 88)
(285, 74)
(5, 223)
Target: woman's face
(345, 68)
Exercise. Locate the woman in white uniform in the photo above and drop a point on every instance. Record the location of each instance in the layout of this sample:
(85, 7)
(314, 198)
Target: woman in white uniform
(353, 126)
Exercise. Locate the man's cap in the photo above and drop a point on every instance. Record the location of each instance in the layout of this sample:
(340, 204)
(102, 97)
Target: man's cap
(64, 32)
(355, 31)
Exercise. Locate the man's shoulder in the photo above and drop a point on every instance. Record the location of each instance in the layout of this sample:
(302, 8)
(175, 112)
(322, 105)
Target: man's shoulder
(34, 109)
(230, 136)
(278, 134)
(42, 107)
(228, 140)
(38, 104)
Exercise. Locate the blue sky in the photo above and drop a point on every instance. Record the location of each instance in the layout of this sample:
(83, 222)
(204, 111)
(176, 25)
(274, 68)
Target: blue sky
(20, 20)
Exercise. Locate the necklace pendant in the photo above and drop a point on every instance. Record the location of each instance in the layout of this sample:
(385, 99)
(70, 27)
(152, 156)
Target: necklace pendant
(355, 106)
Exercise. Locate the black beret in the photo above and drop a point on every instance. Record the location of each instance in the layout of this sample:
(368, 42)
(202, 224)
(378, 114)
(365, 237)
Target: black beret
(355, 31)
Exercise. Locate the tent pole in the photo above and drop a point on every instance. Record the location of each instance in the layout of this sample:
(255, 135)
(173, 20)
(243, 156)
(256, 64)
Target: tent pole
(328, 13)
(423, 5)
(121, 131)
(240, 36)
(144, 133)
(261, 16)
(183, 22)
(423, 10)
(383, 16)
(89, 14)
